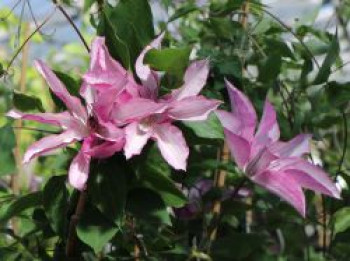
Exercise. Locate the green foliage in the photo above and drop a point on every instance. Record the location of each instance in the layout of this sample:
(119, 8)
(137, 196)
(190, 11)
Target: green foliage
(25, 102)
(8, 143)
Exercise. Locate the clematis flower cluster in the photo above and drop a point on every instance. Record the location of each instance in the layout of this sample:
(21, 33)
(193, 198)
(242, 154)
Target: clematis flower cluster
(116, 113)
(273, 164)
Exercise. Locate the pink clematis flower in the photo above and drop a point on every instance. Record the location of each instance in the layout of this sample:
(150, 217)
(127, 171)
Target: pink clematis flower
(99, 139)
(144, 115)
(183, 104)
(275, 165)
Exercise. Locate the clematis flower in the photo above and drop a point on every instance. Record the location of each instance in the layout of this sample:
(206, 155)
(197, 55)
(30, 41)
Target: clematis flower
(140, 111)
(183, 104)
(275, 165)
(99, 139)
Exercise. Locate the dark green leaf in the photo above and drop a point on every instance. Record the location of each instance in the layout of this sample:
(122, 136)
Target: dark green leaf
(325, 70)
(146, 204)
(25, 102)
(116, 46)
(7, 143)
(108, 187)
(21, 204)
(55, 201)
(94, 229)
(338, 93)
(182, 11)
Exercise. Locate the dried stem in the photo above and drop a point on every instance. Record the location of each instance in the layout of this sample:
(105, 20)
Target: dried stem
(72, 235)
(15, 178)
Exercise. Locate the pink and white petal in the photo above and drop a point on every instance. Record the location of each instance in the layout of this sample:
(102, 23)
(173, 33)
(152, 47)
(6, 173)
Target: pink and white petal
(61, 119)
(297, 147)
(229, 121)
(196, 108)
(283, 185)
(136, 109)
(243, 110)
(79, 170)
(50, 143)
(135, 139)
(312, 177)
(194, 80)
(104, 70)
(73, 103)
(106, 149)
(268, 131)
(239, 148)
(110, 132)
(260, 162)
(172, 145)
(148, 77)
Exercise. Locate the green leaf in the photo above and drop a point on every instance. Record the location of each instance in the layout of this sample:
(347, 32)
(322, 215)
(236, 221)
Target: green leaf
(117, 47)
(332, 55)
(136, 13)
(243, 245)
(7, 144)
(2, 70)
(94, 229)
(270, 68)
(338, 93)
(25, 102)
(170, 60)
(108, 187)
(182, 11)
(341, 220)
(21, 204)
(209, 129)
(55, 201)
(146, 204)
(88, 4)
(72, 85)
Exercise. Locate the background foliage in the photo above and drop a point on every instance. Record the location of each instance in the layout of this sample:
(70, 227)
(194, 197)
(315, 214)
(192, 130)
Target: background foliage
(132, 207)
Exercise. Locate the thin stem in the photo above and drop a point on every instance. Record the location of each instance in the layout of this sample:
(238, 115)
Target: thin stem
(35, 129)
(340, 165)
(76, 29)
(37, 29)
(72, 235)
(295, 35)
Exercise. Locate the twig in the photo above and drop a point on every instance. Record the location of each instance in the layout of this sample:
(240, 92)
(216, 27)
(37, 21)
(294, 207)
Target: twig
(35, 129)
(76, 29)
(72, 235)
(37, 29)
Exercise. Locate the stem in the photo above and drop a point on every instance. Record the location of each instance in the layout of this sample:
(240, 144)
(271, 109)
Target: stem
(15, 178)
(219, 182)
(340, 164)
(28, 38)
(76, 29)
(72, 235)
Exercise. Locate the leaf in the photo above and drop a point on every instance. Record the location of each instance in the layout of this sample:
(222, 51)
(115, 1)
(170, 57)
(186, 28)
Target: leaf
(270, 68)
(88, 4)
(21, 204)
(242, 245)
(146, 204)
(25, 102)
(7, 144)
(325, 70)
(182, 11)
(94, 229)
(2, 70)
(209, 129)
(170, 60)
(117, 48)
(72, 85)
(338, 93)
(55, 201)
(108, 187)
(341, 220)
